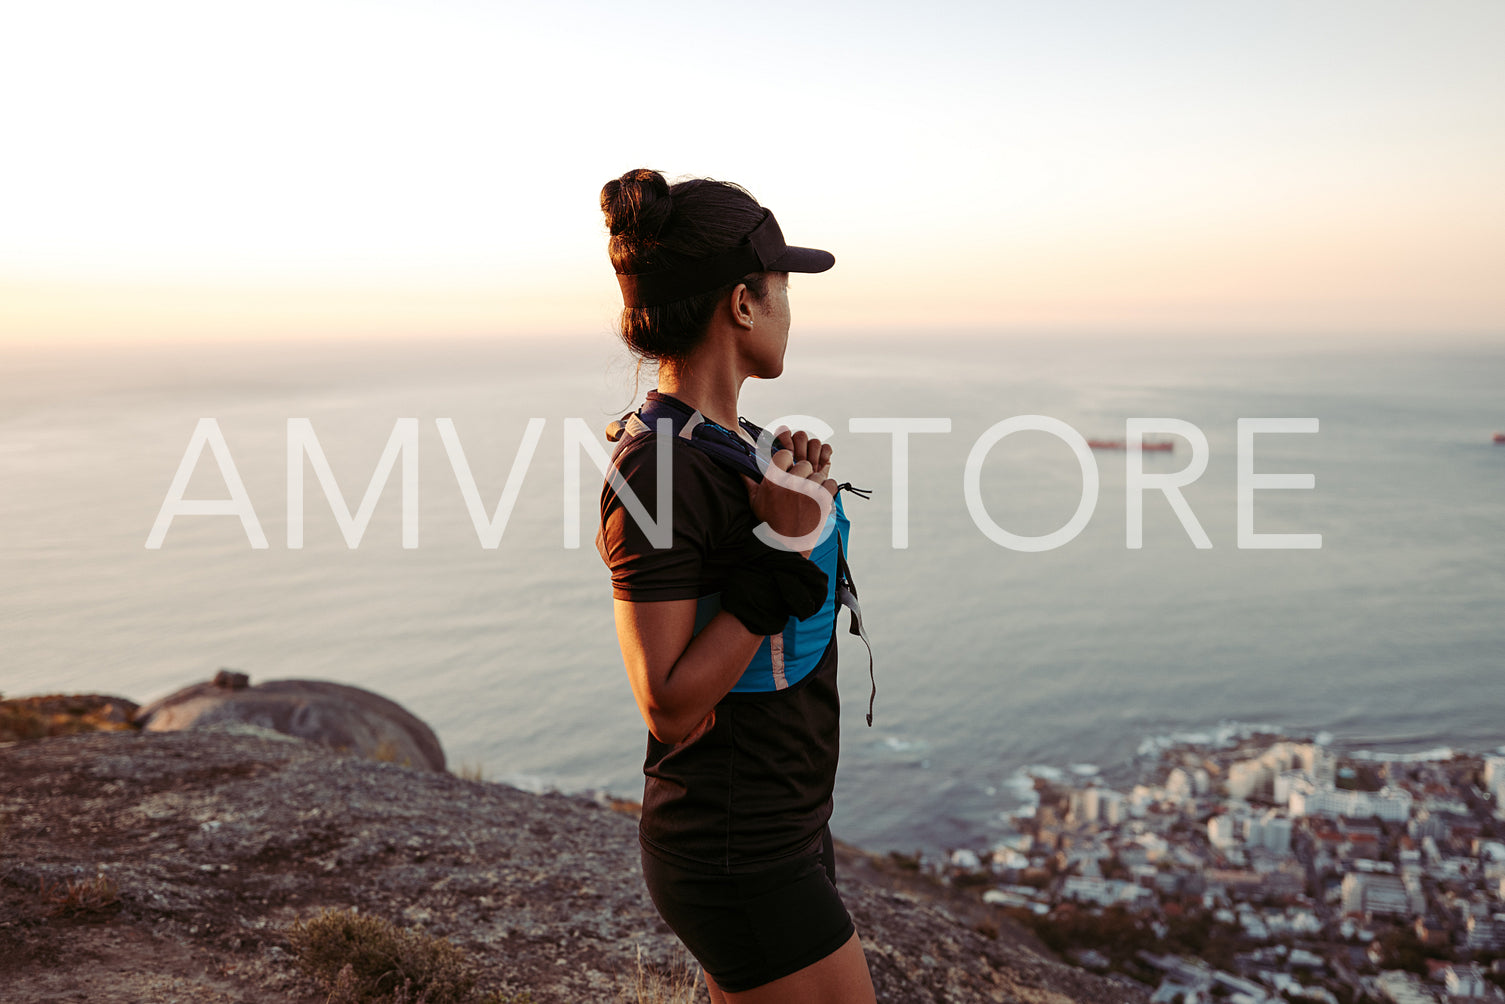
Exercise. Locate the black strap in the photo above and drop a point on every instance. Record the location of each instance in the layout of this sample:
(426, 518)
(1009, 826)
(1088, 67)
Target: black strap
(846, 595)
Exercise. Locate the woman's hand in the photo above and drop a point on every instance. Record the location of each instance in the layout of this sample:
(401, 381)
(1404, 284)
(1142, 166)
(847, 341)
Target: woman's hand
(795, 494)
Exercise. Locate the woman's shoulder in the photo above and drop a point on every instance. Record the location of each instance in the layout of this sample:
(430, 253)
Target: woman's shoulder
(708, 503)
(695, 477)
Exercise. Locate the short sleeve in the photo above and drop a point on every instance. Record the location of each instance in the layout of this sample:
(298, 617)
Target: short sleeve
(641, 572)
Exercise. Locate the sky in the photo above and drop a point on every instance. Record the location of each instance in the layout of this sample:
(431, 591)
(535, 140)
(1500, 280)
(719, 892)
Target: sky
(201, 171)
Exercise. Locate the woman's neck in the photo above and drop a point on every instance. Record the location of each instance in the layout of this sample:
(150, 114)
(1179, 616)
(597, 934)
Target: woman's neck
(712, 391)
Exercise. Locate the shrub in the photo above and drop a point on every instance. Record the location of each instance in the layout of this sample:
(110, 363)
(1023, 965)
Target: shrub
(361, 959)
(388, 751)
(95, 895)
(62, 715)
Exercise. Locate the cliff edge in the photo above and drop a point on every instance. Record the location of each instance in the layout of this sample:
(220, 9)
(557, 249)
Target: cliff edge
(167, 866)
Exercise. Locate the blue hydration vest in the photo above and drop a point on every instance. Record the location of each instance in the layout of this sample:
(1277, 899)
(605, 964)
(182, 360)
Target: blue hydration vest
(786, 658)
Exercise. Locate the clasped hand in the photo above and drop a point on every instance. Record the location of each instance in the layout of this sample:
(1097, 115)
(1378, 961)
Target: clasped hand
(795, 494)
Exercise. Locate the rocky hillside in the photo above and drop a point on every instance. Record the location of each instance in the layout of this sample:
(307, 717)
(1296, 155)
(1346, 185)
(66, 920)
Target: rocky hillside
(165, 867)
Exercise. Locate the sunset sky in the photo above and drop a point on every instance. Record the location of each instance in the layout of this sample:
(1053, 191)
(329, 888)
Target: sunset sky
(206, 171)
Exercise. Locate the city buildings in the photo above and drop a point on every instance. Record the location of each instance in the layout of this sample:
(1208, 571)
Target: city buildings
(1326, 873)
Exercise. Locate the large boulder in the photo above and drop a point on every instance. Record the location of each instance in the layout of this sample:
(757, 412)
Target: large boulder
(344, 718)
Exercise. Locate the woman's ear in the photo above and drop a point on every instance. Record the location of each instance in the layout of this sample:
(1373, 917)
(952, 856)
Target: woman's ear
(741, 304)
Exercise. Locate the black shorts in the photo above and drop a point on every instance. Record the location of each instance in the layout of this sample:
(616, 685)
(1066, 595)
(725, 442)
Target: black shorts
(752, 928)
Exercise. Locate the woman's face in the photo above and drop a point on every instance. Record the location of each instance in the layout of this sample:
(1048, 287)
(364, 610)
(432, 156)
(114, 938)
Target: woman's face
(770, 334)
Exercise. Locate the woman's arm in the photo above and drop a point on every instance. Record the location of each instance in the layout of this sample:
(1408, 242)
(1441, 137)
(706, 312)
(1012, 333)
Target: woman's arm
(678, 676)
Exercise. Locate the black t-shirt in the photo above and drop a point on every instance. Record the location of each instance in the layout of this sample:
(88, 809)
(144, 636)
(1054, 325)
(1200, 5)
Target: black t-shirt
(756, 786)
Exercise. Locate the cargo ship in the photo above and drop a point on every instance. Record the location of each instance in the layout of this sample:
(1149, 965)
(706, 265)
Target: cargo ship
(1148, 445)
(1500, 439)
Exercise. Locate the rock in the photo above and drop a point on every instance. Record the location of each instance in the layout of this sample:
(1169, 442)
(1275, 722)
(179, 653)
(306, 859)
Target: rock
(341, 717)
(214, 842)
(229, 679)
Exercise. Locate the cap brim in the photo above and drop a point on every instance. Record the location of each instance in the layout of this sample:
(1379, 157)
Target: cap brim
(801, 260)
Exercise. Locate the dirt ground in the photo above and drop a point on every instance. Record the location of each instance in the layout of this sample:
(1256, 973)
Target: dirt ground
(167, 867)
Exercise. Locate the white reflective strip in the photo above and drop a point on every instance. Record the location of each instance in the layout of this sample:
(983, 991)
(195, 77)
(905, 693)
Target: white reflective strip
(845, 598)
(695, 420)
(776, 655)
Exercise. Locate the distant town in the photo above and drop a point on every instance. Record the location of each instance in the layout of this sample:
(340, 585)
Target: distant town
(1264, 868)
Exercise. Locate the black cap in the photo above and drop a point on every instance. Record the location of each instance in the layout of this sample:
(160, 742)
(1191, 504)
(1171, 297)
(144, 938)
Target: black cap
(763, 251)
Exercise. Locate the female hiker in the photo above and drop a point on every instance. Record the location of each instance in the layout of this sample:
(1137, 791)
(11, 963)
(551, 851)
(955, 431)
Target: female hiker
(728, 641)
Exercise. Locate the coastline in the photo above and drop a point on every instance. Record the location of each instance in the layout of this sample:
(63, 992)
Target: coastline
(1239, 857)
(1251, 863)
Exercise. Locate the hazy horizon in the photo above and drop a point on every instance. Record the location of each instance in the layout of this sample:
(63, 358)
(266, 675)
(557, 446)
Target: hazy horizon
(988, 659)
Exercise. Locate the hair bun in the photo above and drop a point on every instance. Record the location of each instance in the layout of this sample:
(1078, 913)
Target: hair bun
(637, 205)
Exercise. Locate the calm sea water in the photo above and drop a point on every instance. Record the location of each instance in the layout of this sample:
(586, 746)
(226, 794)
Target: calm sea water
(1391, 635)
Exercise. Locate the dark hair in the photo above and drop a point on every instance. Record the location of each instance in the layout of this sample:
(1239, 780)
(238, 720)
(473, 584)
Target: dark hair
(655, 225)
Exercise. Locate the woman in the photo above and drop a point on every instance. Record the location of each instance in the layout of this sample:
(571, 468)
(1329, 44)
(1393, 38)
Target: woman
(728, 641)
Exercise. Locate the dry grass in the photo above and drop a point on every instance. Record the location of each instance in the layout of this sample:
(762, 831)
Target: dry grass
(679, 984)
(625, 806)
(471, 772)
(61, 715)
(360, 959)
(387, 752)
(96, 895)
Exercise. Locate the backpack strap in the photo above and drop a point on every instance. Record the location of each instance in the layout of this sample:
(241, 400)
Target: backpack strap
(846, 595)
(723, 445)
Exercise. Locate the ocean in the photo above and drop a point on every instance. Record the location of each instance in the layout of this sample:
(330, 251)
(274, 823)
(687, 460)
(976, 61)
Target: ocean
(1390, 636)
